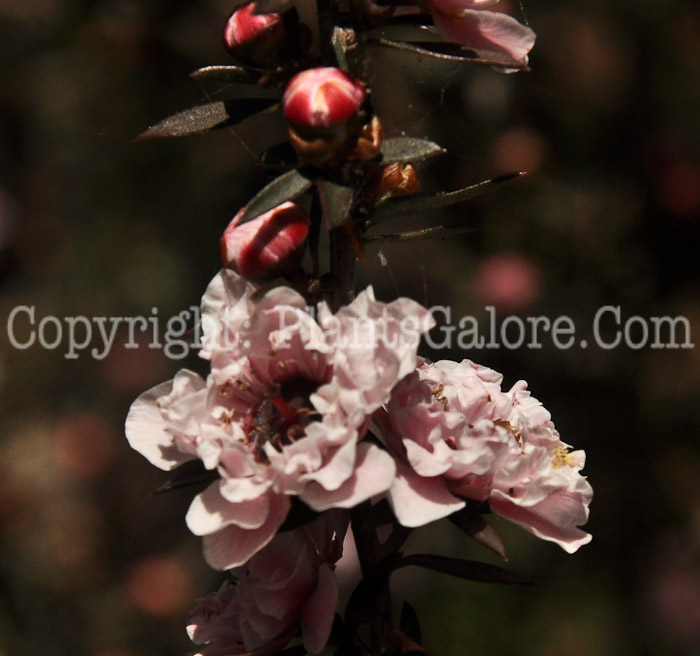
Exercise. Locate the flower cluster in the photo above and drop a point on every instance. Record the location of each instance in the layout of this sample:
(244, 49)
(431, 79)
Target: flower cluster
(288, 412)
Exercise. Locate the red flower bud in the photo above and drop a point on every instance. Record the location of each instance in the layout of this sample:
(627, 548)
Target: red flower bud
(269, 245)
(322, 98)
(258, 40)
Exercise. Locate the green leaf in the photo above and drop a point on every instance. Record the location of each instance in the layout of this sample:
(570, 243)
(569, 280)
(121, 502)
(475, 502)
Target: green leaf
(409, 149)
(187, 474)
(286, 187)
(436, 232)
(226, 74)
(422, 202)
(409, 623)
(476, 527)
(272, 6)
(338, 43)
(209, 116)
(464, 569)
(336, 202)
(451, 52)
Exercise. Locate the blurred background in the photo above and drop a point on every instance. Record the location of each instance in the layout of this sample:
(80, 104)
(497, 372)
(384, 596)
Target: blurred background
(606, 125)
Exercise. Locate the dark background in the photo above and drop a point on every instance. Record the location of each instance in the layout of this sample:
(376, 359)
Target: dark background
(609, 214)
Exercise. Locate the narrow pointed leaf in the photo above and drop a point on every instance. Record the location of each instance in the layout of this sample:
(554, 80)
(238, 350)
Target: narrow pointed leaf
(422, 202)
(286, 187)
(437, 232)
(272, 6)
(338, 43)
(451, 52)
(409, 623)
(476, 527)
(409, 149)
(209, 116)
(187, 474)
(465, 569)
(336, 201)
(226, 74)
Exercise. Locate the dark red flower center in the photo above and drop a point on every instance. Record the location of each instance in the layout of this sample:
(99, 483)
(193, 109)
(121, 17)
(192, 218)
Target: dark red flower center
(282, 416)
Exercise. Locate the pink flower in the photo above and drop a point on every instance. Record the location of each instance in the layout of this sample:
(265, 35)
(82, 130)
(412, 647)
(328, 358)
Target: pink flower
(283, 411)
(460, 437)
(271, 244)
(466, 22)
(286, 586)
(322, 98)
(256, 39)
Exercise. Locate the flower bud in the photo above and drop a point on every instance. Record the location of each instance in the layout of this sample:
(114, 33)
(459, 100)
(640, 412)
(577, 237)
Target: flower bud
(322, 98)
(269, 245)
(328, 121)
(255, 39)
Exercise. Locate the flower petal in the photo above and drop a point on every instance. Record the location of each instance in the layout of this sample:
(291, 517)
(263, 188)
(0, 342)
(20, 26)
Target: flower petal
(487, 30)
(556, 518)
(210, 512)
(319, 610)
(146, 428)
(373, 474)
(418, 501)
(234, 546)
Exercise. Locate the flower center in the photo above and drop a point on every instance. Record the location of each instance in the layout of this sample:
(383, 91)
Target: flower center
(282, 416)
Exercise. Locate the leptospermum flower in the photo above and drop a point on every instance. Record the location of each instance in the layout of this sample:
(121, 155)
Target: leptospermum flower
(468, 23)
(287, 586)
(460, 437)
(269, 245)
(283, 411)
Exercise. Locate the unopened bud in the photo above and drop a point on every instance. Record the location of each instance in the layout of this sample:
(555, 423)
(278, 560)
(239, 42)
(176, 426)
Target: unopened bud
(322, 98)
(270, 245)
(255, 39)
(328, 119)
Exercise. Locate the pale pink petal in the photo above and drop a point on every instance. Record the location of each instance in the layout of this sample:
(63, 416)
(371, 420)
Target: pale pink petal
(418, 501)
(210, 512)
(146, 429)
(339, 466)
(243, 490)
(233, 546)
(556, 518)
(487, 30)
(318, 612)
(373, 474)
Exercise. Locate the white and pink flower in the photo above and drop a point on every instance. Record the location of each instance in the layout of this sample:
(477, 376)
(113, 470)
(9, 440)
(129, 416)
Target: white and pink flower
(287, 586)
(282, 413)
(458, 436)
